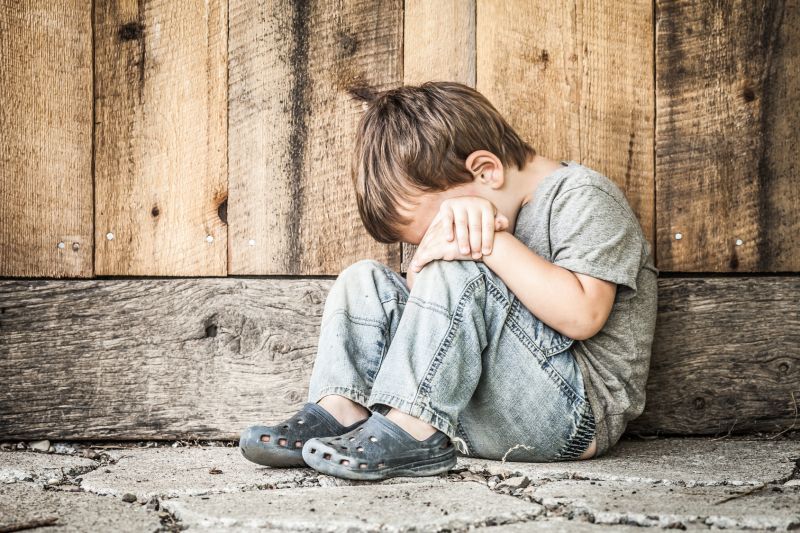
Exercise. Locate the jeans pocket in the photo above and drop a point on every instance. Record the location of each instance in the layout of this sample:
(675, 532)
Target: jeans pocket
(547, 341)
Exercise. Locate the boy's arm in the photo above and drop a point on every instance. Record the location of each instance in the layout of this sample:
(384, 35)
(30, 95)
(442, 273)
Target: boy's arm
(575, 305)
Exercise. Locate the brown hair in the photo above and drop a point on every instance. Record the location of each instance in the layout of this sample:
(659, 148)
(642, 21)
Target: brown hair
(415, 139)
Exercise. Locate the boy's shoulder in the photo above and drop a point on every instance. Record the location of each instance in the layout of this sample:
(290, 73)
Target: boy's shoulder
(577, 176)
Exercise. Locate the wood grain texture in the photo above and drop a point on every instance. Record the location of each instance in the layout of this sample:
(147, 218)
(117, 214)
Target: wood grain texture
(160, 137)
(728, 101)
(439, 44)
(126, 359)
(577, 83)
(46, 138)
(292, 123)
(203, 358)
(726, 355)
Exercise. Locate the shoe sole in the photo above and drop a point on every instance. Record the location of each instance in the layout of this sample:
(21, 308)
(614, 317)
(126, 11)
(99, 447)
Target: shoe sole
(421, 468)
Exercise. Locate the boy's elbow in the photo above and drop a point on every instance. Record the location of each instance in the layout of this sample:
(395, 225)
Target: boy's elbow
(589, 327)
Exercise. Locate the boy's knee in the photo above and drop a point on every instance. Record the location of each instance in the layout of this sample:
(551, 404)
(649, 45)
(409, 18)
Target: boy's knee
(360, 268)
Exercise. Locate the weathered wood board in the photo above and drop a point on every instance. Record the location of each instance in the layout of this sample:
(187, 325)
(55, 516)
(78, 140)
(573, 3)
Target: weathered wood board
(161, 138)
(203, 358)
(727, 137)
(438, 45)
(292, 124)
(577, 83)
(726, 356)
(46, 138)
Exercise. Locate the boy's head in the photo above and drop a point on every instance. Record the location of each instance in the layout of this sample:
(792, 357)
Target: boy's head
(414, 141)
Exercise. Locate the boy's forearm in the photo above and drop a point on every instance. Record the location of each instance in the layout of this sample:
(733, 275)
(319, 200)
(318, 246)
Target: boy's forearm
(552, 293)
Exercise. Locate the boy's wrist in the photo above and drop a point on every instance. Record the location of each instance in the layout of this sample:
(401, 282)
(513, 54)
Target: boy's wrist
(499, 246)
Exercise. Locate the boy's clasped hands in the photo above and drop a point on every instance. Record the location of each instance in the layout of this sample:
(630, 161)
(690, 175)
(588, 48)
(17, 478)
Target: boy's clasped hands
(462, 229)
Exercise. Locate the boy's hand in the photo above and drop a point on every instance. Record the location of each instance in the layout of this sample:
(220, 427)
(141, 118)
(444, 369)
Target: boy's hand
(475, 222)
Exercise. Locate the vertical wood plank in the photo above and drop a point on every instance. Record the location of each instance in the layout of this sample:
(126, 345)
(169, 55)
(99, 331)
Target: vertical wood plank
(46, 138)
(292, 124)
(577, 83)
(438, 44)
(728, 95)
(160, 137)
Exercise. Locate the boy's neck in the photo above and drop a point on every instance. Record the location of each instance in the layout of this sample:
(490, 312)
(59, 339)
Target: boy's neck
(521, 185)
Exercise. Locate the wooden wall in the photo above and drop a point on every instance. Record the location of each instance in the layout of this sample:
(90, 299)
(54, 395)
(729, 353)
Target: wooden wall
(143, 139)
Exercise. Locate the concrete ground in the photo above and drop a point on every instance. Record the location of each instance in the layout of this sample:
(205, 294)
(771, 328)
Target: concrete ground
(697, 483)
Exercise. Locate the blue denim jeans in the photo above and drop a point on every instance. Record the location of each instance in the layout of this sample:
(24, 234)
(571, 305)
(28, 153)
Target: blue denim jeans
(460, 352)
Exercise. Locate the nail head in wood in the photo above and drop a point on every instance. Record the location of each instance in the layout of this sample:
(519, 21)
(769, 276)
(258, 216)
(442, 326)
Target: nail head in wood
(678, 236)
(739, 242)
(209, 238)
(61, 245)
(110, 236)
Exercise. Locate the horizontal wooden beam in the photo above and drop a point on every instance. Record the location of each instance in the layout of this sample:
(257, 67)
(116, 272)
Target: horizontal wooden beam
(206, 357)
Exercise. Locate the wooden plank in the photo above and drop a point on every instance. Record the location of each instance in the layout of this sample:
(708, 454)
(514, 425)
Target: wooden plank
(577, 82)
(438, 44)
(292, 122)
(728, 105)
(46, 138)
(726, 356)
(203, 358)
(160, 137)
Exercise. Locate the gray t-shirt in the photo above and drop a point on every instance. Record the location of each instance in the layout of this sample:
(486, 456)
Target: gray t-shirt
(580, 220)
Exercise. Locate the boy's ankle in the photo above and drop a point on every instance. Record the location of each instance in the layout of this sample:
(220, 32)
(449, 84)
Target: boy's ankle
(413, 426)
(344, 410)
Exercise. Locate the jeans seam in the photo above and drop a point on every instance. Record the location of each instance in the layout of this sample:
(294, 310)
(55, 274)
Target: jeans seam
(557, 378)
(429, 305)
(546, 352)
(355, 395)
(363, 321)
(444, 346)
(581, 438)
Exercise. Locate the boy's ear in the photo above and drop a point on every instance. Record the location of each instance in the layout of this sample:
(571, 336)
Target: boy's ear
(486, 168)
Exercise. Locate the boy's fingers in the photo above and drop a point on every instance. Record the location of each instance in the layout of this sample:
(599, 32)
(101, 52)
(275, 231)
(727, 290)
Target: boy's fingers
(488, 230)
(461, 221)
(447, 220)
(475, 223)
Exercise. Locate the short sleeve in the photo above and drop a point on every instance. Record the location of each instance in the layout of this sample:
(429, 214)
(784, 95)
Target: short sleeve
(591, 233)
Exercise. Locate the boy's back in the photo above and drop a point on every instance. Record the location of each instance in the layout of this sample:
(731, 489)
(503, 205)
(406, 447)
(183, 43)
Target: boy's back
(581, 220)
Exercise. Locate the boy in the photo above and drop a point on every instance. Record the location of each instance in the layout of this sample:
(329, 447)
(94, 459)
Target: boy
(524, 326)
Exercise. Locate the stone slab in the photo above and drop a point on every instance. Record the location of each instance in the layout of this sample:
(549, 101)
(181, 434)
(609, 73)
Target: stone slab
(682, 461)
(656, 505)
(22, 503)
(170, 472)
(420, 507)
(41, 467)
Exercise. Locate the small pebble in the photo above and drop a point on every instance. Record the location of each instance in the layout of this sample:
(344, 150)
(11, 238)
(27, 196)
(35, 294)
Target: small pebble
(90, 454)
(518, 482)
(40, 445)
(792, 483)
(129, 498)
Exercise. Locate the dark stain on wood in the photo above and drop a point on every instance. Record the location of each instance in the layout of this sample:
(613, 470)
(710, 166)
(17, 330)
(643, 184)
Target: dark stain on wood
(155, 211)
(748, 94)
(733, 263)
(773, 14)
(222, 210)
(298, 136)
(131, 31)
(629, 162)
(348, 43)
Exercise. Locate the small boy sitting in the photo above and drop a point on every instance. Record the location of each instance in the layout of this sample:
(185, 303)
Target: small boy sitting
(524, 326)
